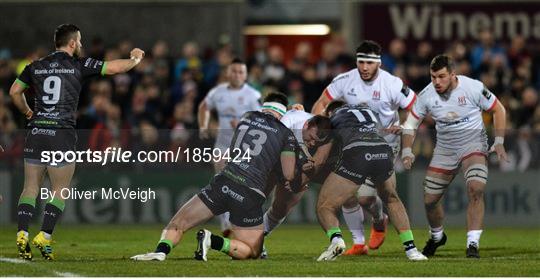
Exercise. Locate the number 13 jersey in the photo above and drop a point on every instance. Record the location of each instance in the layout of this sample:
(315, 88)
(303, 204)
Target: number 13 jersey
(264, 137)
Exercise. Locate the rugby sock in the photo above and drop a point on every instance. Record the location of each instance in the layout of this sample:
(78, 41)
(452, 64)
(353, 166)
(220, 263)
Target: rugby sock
(270, 223)
(164, 246)
(51, 214)
(376, 210)
(220, 243)
(224, 222)
(334, 233)
(473, 236)
(407, 239)
(25, 211)
(354, 217)
(436, 233)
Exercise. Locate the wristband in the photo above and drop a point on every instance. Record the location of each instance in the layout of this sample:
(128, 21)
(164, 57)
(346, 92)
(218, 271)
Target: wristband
(406, 152)
(498, 140)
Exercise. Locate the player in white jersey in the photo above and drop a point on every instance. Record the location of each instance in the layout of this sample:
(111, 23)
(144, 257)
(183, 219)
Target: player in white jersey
(310, 132)
(456, 103)
(231, 100)
(384, 94)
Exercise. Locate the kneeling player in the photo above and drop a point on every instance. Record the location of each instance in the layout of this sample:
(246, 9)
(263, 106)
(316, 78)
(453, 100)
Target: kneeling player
(364, 154)
(238, 189)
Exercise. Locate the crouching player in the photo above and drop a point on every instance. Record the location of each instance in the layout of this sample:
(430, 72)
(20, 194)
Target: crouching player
(239, 188)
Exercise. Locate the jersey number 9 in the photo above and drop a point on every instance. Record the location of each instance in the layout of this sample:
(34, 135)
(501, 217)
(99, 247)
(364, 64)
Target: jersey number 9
(52, 86)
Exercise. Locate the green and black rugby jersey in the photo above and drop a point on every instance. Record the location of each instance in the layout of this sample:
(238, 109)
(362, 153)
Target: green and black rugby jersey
(56, 81)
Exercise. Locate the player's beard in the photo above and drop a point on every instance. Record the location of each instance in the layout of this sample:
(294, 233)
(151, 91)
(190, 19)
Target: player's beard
(77, 52)
(371, 78)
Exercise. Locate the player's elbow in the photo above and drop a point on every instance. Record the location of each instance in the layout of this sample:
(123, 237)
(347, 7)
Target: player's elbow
(13, 93)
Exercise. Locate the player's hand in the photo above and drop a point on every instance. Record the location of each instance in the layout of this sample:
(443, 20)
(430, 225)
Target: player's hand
(29, 114)
(204, 133)
(1, 149)
(137, 54)
(500, 151)
(288, 186)
(395, 129)
(298, 107)
(309, 166)
(407, 157)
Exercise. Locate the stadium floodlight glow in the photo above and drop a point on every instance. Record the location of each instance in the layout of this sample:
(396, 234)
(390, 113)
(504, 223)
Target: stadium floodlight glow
(287, 29)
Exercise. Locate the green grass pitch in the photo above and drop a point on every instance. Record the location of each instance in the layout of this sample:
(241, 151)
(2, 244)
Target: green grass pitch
(97, 250)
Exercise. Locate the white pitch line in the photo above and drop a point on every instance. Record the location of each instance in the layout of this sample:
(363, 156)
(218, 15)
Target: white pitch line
(11, 260)
(57, 273)
(66, 274)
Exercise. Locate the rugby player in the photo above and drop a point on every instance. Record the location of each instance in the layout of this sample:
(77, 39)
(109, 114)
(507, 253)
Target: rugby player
(456, 103)
(231, 100)
(364, 153)
(239, 188)
(384, 94)
(310, 132)
(56, 80)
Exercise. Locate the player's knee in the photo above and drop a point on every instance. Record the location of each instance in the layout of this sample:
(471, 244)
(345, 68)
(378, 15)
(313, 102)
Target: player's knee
(352, 202)
(431, 203)
(389, 195)
(475, 190)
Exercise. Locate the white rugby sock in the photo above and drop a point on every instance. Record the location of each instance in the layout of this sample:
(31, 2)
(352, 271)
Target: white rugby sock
(473, 236)
(376, 210)
(354, 217)
(436, 233)
(270, 223)
(224, 221)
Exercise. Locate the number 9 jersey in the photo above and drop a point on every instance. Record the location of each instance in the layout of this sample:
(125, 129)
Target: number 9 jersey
(56, 81)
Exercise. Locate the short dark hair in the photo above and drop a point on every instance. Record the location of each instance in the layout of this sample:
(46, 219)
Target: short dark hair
(442, 61)
(237, 61)
(322, 123)
(333, 106)
(369, 47)
(64, 33)
(277, 97)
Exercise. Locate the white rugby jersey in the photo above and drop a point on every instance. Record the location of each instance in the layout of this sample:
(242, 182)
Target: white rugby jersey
(457, 114)
(384, 95)
(231, 104)
(295, 120)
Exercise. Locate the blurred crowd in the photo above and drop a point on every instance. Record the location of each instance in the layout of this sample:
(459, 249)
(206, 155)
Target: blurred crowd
(154, 106)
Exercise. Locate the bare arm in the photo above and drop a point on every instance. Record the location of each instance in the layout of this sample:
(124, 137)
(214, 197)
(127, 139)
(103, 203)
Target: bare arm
(288, 162)
(123, 65)
(17, 95)
(499, 123)
(320, 105)
(407, 139)
(203, 118)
